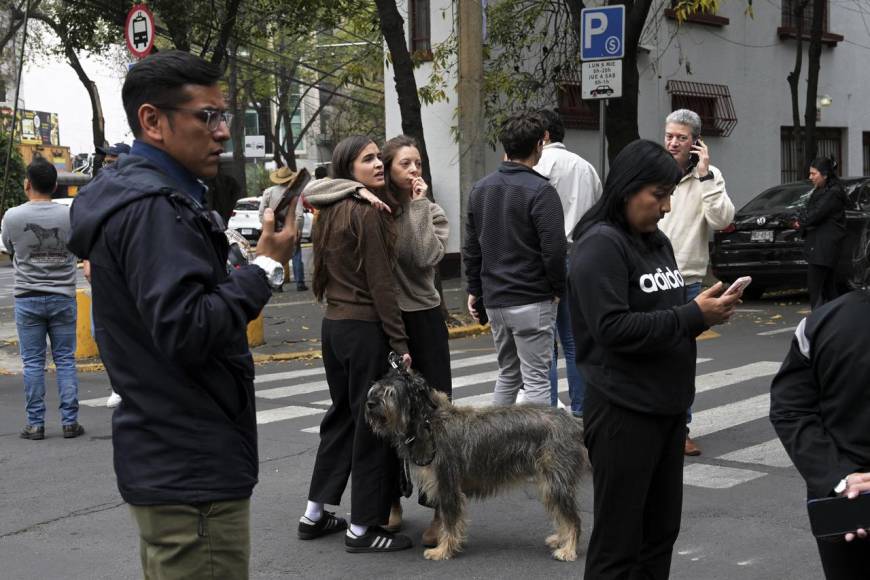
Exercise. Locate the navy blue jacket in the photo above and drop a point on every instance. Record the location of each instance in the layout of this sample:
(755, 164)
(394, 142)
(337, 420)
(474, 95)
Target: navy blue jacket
(515, 242)
(171, 323)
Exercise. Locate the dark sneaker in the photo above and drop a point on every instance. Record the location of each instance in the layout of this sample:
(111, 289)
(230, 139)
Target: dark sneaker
(376, 539)
(32, 433)
(302, 288)
(74, 430)
(328, 524)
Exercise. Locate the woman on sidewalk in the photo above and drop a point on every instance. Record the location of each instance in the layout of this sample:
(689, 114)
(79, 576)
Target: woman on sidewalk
(824, 229)
(353, 260)
(636, 347)
(421, 239)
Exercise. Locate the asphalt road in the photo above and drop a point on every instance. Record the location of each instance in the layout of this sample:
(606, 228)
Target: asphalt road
(743, 515)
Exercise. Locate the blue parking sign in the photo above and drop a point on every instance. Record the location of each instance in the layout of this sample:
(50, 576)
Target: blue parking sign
(602, 33)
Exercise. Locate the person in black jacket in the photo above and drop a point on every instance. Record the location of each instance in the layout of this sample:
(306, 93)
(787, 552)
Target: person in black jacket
(635, 338)
(514, 255)
(170, 322)
(824, 228)
(820, 408)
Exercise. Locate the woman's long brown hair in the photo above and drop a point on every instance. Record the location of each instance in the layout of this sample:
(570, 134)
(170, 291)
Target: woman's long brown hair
(339, 216)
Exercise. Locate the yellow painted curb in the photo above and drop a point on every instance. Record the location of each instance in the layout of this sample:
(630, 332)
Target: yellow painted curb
(86, 346)
(708, 334)
(256, 335)
(468, 330)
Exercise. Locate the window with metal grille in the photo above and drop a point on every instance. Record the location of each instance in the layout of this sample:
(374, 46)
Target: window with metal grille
(575, 112)
(828, 144)
(791, 19)
(712, 103)
(421, 42)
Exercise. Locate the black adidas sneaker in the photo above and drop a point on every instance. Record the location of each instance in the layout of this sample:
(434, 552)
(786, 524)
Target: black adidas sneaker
(376, 539)
(327, 524)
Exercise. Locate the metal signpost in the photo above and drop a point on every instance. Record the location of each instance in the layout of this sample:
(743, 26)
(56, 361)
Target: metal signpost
(602, 47)
(139, 31)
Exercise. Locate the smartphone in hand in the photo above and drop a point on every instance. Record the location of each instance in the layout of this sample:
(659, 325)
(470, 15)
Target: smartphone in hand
(738, 286)
(837, 516)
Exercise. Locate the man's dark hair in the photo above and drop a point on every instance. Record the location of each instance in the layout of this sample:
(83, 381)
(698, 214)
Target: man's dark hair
(160, 80)
(520, 133)
(555, 126)
(42, 175)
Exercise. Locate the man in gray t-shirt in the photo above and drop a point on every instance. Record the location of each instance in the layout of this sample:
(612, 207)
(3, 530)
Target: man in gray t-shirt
(36, 234)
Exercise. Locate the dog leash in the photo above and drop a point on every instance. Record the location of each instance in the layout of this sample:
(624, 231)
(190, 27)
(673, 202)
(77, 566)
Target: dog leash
(397, 363)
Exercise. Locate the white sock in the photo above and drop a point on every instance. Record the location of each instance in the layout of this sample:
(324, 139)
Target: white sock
(314, 511)
(357, 531)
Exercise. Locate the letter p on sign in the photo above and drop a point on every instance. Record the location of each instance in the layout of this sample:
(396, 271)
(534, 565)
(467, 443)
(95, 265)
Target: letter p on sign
(602, 33)
(594, 24)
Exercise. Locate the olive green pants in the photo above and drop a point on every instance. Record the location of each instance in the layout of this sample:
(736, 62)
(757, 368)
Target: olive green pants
(203, 541)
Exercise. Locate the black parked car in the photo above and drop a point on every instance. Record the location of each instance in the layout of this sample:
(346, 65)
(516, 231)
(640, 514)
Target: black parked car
(765, 242)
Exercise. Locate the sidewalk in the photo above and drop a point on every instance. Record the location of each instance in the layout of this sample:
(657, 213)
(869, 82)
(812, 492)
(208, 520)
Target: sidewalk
(291, 325)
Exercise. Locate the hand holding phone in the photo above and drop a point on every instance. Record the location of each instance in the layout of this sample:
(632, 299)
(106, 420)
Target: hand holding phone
(738, 286)
(838, 516)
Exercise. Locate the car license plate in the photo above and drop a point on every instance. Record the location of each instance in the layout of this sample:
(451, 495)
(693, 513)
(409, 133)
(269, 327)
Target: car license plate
(762, 236)
(250, 232)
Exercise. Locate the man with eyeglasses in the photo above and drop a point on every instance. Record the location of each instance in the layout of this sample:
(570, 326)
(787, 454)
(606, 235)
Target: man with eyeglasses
(170, 321)
(699, 206)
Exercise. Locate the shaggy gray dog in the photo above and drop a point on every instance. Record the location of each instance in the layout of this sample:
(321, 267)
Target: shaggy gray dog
(460, 452)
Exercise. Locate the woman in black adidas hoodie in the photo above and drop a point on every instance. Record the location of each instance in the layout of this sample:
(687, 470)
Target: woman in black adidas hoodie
(635, 339)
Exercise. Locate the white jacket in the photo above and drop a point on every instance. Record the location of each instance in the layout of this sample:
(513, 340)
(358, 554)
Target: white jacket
(698, 208)
(574, 179)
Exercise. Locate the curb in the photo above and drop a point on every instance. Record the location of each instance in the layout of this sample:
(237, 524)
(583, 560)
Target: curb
(96, 367)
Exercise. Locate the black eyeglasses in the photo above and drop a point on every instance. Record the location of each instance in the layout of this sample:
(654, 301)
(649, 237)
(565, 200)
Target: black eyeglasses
(211, 117)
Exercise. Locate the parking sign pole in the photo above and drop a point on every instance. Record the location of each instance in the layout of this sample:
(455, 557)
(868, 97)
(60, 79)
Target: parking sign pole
(602, 121)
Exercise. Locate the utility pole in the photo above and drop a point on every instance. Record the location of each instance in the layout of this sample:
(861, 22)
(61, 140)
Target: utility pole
(470, 95)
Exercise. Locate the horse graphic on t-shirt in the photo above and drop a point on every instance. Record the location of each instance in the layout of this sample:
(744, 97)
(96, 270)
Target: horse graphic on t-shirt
(47, 238)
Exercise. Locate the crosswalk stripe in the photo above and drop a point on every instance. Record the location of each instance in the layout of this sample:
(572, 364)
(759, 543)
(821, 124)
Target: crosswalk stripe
(284, 413)
(735, 375)
(288, 376)
(298, 374)
(292, 390)
(98, 402)
(770, 453)
(717, 476)
(717, 419)
(777, 331)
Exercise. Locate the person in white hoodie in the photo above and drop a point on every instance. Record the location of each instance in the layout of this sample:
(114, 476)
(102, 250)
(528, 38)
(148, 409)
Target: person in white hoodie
(699, 206)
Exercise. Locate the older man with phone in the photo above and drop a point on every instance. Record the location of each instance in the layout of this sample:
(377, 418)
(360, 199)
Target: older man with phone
(699, 206)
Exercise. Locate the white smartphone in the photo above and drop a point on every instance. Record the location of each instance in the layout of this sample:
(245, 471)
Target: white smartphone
(739, 285)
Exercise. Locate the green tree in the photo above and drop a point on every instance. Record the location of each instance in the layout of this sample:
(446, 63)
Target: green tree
(531, 54)
(15, 183)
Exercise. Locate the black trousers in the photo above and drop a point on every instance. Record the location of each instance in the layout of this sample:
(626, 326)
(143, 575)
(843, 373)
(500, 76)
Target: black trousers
(821, 282)
(843, 560)
(354, 355)
(637, 474)
(429, 344)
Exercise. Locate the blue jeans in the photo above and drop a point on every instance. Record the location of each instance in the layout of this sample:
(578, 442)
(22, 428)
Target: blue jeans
(54, 316)
(298, 268)
(576, 382)
(692, 291)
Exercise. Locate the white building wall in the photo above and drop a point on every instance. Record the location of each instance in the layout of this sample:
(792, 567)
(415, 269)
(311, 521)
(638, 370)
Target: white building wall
(437, 121)
(746, 55)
